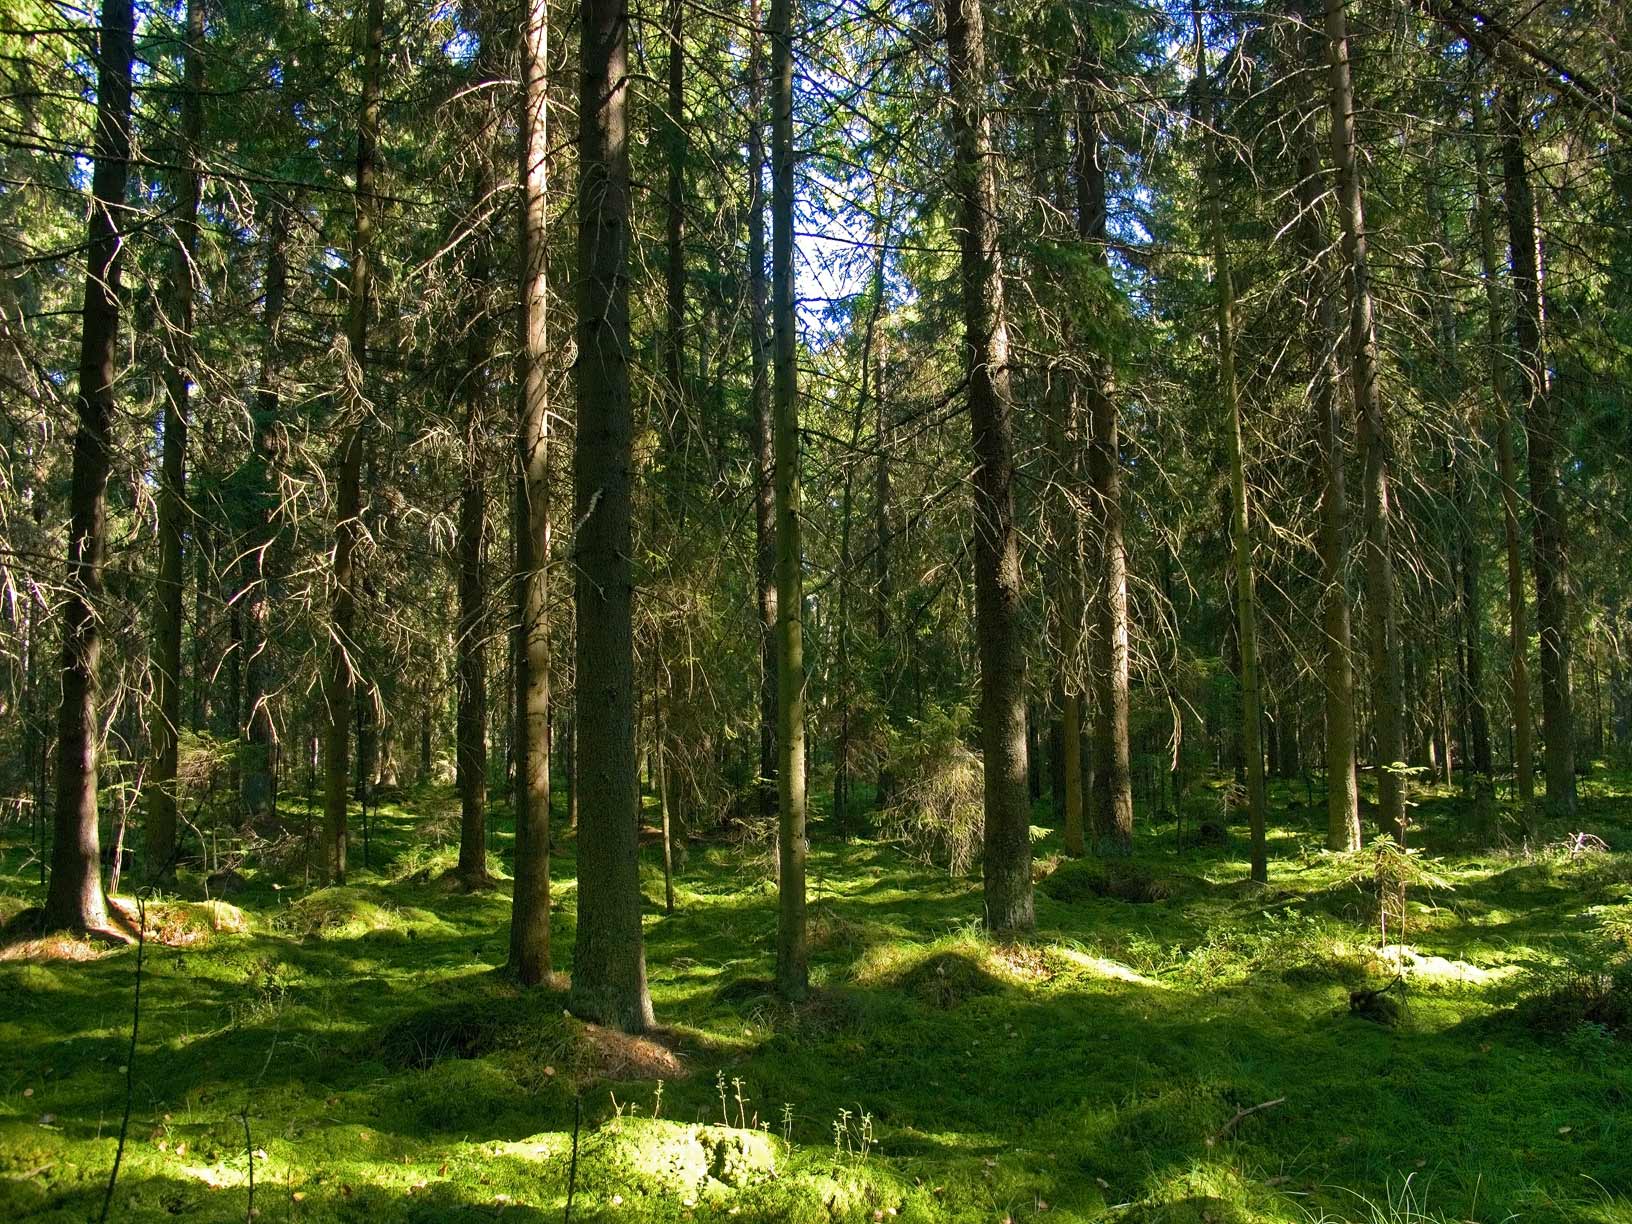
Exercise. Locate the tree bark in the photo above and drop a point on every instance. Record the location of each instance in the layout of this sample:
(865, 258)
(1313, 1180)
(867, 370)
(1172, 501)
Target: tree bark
(764, 459)
(1113, 779)
(1326, 393)
(530, 956)
(792, 950)
(1006, 861)
(1246, 601)
(339, 680)
(1387, 697)
(609, 960)
(1524, 770)
(178, 341)
(74, 898)
(470, 744)
(1549, 547)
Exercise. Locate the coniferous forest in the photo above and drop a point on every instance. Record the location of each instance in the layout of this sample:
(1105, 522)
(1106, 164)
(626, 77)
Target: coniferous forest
(816, 610)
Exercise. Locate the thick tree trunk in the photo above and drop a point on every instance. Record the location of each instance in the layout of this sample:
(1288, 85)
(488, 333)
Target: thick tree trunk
(530, 959)
(178, 341)
(1113, 779)
(764, 459)
(792, 950)
(1006, 862)
(1326, 395)
(1387, 697)
(1549, 550)
(339, 680)
(609, 960)
(74, 898)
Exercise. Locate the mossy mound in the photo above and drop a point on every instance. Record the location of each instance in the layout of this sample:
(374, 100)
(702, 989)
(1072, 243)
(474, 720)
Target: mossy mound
(339, 913)
(678, 1158)
(948, 977)
(1562, 1002)
(1119, 879)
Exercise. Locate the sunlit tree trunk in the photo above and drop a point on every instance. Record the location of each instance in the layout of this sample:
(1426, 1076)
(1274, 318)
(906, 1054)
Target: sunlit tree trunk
(761, 426)
(74, 898)
(1113, 778)
(339, 680)
(1006, 861)
(792, 951)
(609, 959)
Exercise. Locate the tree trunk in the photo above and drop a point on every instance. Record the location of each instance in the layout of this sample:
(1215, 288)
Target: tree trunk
(1006, 862)
(339, 680)
(471, 634)
(178, 340)
(1507, 476)
(530, 958)
(1113, 780)
(1542, 429)
(1326, 393)
(74, 898)
(259, 565)
(1387, 697)
(1246, 603)
(792, 951)
(764, 460)
(609, 960)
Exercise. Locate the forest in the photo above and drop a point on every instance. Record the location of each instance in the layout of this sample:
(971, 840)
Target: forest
(816, 610)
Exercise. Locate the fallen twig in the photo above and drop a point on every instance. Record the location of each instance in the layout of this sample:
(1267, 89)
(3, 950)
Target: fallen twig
(1239, 1114)
(130, 1056)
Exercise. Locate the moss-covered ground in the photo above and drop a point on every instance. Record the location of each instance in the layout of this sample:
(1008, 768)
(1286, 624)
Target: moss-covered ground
(360, 1052)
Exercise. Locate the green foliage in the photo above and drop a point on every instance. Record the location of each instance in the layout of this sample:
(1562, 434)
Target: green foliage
(937, 811)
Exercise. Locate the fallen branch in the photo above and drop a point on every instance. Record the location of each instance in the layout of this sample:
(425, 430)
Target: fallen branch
(1239, 1114)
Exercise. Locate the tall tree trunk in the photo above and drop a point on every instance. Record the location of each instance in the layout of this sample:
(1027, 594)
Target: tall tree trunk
(792, 950)
(471, 637)
(1113, 779)
(1006, 862)
(259, 562)
(339, 680)
(1246, 602)
(530, 959)
(1388, 700)
(764, 459)
(1507, 476)
(74, 898)
(178, 357)
(1326, 393)
(1542, 428)
(609, 959)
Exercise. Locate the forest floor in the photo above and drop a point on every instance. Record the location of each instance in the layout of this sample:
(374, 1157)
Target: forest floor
(1174, 1044)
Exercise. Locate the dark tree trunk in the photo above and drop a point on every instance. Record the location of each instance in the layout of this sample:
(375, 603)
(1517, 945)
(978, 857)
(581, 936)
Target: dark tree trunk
(1006, 862)
(471, 634)
(339, 680)
(259, 562)
(1542, 429)
(1388, 702)
(74, 898)
(530, 957)
(609, 960)
(178, 362)
(1326, 395)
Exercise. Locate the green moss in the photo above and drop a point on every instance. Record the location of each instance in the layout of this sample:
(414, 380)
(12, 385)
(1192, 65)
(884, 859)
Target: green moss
(389, 1072)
